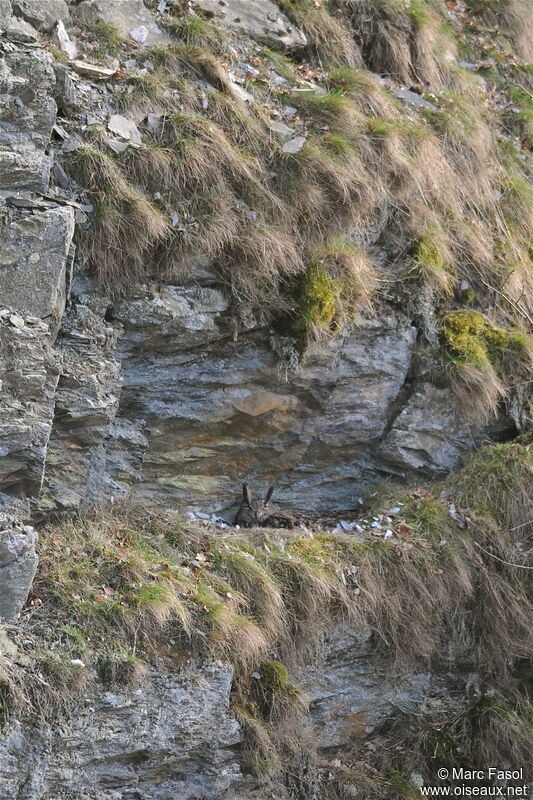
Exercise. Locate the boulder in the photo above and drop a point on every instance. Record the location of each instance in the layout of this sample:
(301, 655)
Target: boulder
(128, 16)
(429, 435)
(42, 14)
(261, 19)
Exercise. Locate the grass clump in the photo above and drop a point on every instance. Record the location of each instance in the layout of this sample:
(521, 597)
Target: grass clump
(337, 286)
(482, 360)
(432, 263)
(318, 300)
(494, 728)
(195, 30)
(124, 226)
(108, 36)
(326, 33)
(58, 54)
(275, 676)
(498, 484)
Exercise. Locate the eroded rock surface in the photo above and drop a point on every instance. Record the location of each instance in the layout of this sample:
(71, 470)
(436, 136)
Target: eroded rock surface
(33, 260)
(351, 695)
(18, 564)
(27, 115)
(172, 737)
(165, 390)
(176, 737)
(429, 434)
(42, 14)
(29, 372)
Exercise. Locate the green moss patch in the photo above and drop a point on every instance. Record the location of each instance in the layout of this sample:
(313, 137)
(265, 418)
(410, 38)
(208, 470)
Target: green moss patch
(471, 338)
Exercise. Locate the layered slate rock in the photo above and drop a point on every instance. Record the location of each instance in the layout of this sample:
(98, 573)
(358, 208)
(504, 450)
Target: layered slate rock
(175, 735)
(29, 371)
(33, 266)
(18, 564)
(217, 409)
(27, 115)
(33, 260)
(351, 695)
(429, 434)
(172, 737)
(86, 403)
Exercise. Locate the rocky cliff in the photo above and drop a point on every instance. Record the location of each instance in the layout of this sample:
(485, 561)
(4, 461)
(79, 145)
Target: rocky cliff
(270, 243)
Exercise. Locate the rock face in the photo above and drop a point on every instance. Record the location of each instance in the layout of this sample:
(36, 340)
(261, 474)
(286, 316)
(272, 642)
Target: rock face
(260, 19)
(351, 695)
(155, 392)
(29, 371)
(42, 14)
(175, 736)
(164, 391)
(166, 396)
(33, 259)
(18, 563)
(218, 410)
(132, 18)
(419, 438)
(27, 115)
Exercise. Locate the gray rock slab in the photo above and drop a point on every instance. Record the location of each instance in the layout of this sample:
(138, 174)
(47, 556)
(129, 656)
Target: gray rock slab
(351, 695)
(261, 19)
(173, 737)
(127, 15)
(429, 434)
(5, 12)
(29, 372)
(86, 402)
(221, 412)
(412, 99)
(33, 260)
(18, 564)
(42, 14)
(27, 115)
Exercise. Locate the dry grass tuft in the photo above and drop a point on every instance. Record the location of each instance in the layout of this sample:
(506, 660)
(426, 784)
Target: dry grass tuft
(483, 361)
(326, 33)
(124, 226)
(513, 16)
(433, 262)
(195, 30)
(498, 481)
(477, 389)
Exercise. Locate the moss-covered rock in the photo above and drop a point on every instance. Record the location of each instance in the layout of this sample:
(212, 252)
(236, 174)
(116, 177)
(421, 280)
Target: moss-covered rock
(470, 338)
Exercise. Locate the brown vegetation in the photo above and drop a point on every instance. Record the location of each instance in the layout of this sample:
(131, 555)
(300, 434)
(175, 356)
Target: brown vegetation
(261, 214)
